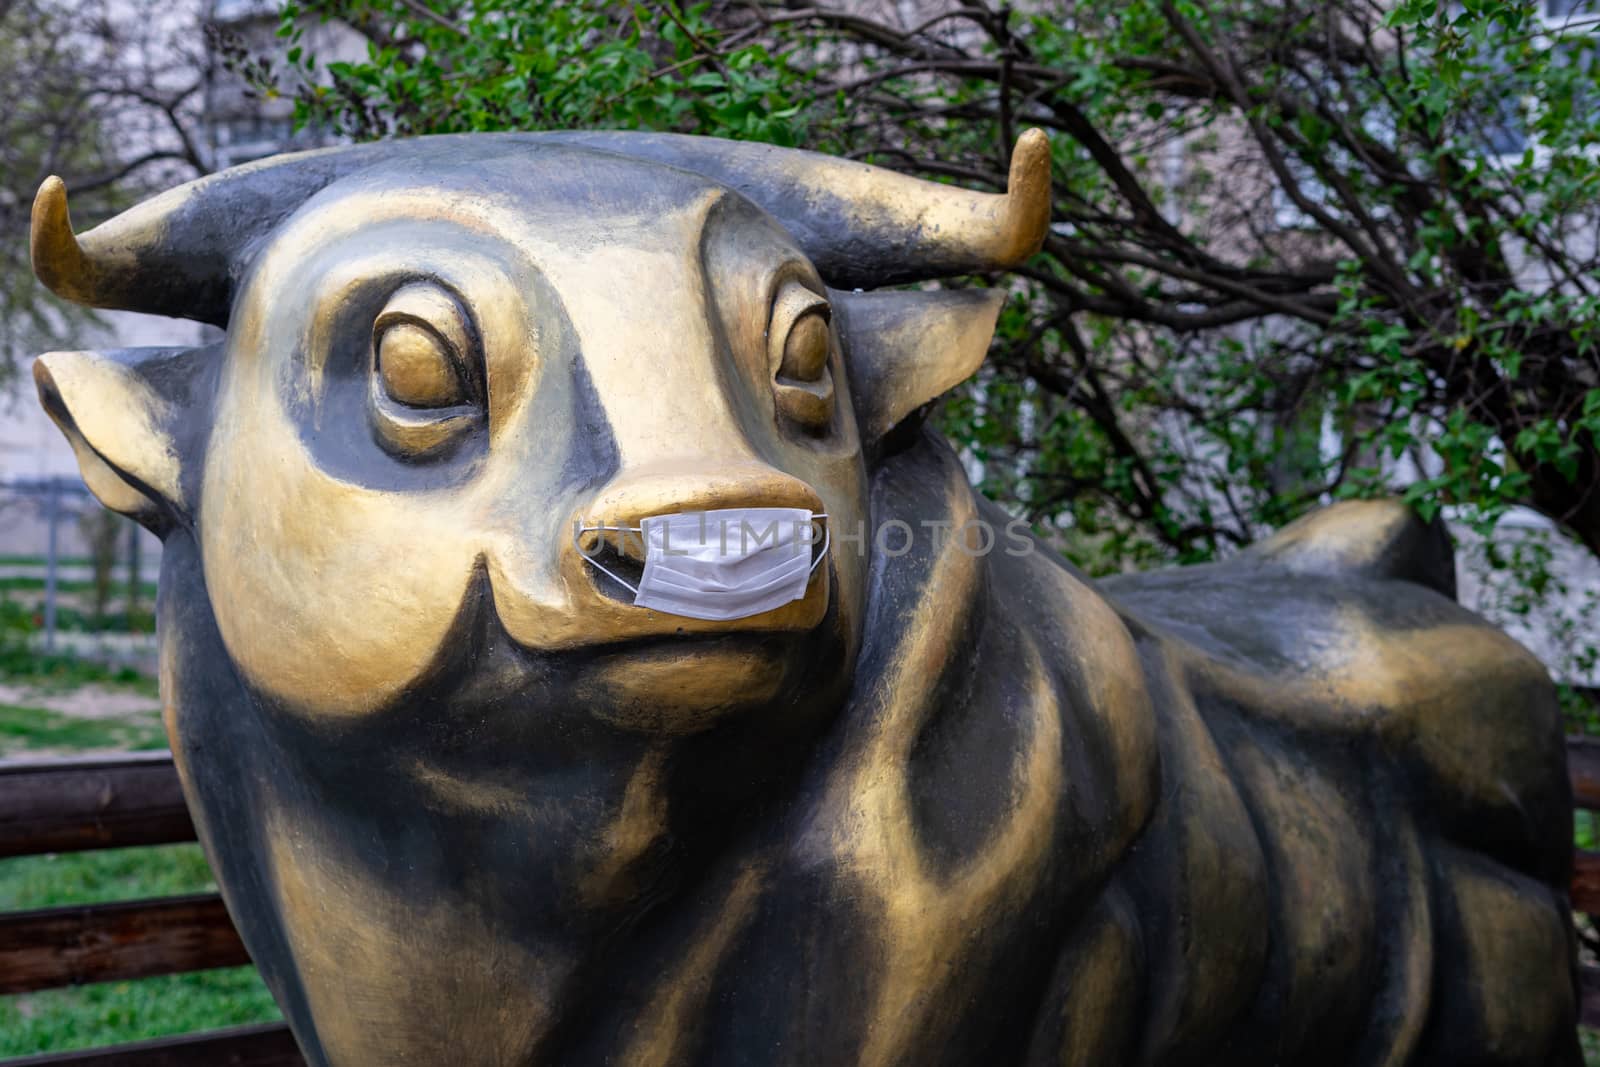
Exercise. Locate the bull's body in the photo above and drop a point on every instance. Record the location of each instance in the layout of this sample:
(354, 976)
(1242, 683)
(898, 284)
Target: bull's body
(1293, 810)
(467, 804)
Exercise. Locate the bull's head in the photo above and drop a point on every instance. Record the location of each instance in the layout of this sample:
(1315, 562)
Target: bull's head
(388, 665)
(442, 354)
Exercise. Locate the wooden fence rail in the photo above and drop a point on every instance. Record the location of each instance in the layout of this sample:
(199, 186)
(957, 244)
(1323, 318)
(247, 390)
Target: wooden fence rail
(268, 1045)
(74, 804)
(111, 942)
(69, 805)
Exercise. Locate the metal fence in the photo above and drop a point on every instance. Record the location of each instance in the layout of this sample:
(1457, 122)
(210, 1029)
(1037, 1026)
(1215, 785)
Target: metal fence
(75, 578)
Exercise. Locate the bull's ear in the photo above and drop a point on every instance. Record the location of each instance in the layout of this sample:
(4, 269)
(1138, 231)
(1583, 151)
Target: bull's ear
(122, 412)
(905, 348)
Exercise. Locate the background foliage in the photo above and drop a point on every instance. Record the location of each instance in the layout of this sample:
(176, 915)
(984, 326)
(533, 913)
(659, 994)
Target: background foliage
(105, 94)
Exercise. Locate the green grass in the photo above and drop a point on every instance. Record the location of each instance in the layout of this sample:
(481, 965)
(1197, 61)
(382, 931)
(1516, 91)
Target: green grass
(69, 618)
(108, 874)
(40, 561)
(25, 729)
(60, 673)
(114, 1012)
(107, 1013)
(22, 582)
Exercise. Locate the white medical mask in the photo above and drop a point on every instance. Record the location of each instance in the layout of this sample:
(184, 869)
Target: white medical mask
(725, 564)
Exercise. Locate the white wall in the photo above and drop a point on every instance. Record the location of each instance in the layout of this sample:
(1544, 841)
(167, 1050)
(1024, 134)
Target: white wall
(31, 447)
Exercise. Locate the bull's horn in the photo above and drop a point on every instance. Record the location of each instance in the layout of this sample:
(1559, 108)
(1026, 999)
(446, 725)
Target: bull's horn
(58, 261)
(174, 254)
(1024, 215)
(128, 263)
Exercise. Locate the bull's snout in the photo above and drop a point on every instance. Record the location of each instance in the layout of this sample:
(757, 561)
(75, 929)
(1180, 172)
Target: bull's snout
(604, 529)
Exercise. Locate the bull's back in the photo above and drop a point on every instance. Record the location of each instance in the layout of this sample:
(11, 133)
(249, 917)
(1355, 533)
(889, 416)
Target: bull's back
(1362, 846)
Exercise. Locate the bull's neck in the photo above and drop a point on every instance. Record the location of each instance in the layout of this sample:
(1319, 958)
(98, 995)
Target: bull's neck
(928, 808)
(927, 604)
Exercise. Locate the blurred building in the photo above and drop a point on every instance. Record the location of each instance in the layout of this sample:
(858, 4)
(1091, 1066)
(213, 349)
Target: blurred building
(233, 125)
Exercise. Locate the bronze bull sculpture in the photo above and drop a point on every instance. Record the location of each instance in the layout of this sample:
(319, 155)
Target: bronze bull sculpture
(470, 803)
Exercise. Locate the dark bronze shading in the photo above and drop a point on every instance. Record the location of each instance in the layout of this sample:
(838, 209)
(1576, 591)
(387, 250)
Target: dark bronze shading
(468, 804)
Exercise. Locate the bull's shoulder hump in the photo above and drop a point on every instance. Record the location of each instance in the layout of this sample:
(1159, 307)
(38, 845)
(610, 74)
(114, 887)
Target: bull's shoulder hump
(1372, 538)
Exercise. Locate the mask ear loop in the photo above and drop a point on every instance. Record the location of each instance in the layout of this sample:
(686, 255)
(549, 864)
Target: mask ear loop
(601, 567)
(827, 540)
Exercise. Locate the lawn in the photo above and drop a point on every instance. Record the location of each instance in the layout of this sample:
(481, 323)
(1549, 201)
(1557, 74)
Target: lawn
(35, 583)
(112, 1012)
(35, 731)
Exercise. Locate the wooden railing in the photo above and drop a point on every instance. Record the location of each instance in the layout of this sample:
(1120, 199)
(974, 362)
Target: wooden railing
(122, 801)
(118, 802)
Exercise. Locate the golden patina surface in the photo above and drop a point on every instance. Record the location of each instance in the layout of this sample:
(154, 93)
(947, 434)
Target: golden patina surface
(469, 803)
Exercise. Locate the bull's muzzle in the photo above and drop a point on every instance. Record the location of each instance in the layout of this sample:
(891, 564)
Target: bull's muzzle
(742, 546)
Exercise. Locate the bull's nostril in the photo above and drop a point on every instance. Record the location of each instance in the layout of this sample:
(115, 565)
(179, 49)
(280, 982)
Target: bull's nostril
(616, 559)
(615, 571)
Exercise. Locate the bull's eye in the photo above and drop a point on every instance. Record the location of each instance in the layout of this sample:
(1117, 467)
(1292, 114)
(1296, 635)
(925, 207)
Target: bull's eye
(802, 341)
(418, 368)
(427, 378)
(805, 353)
